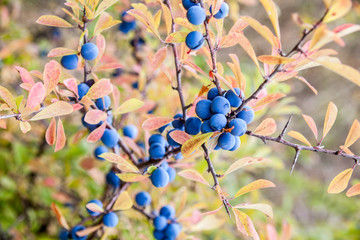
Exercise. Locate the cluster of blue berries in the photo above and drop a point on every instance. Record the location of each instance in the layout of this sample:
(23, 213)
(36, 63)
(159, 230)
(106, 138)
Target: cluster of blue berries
(214, 111)
(196, 15)
(127, 23)
(89, 51)
(166, 227)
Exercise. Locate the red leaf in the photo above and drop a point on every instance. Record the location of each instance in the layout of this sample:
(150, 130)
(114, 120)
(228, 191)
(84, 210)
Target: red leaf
(60, 137)
(95, 135)
(155, 123)
(100, 89)
(52, 74)
(36, 96)
(50, 134)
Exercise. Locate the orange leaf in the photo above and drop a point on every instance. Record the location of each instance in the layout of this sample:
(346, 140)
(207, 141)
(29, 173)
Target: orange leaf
(353, 191)
(263, 30)
(330, 118)
(56, 109)
(312, 125)
(298, 136)
(194, 143)
(155, 123)
(176, 37)
(59, 216)
(343, 70)
(246, 45)
(96, 134)
(167, 17)
(52, 74)
(59, 52)
(269, 99)
(94, 116)
(266, 127)
(60, 136)
(243, 163)
(353, 134)
(258, 184)
(193, 175)
(54, 21)
(271, 11)
(340, 181)
(100, 89)
(338, 9)
(273, 60)
(50, 134)
(180, 136)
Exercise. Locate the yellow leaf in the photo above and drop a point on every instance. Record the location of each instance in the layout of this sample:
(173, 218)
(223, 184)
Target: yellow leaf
(56, 109)
(194, 143)
(244, 224)
(167, 16)
(258, 184)
(343, 70)
(266, 127)
(157, 18)
(129, 106)
(176, 37)
(330, 118)
(353, 134)
(132, 177)
(193, 175)
(54, 21)
(123, 202)
(338, 9)
(105, 22)
(319, 34)
(6, 95)
(243, 163)
(340, 182)
(298, 136)
(105, 4)
(353, 191)
(273, 60)
(271, 10)
(246, 45)
(312, 125)
(264, 208)
(122, 164)
(235, 67)
(25, 127)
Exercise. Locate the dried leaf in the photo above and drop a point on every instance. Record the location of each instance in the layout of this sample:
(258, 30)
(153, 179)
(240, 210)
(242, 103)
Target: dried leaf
(312, 125)
(340, 181)
(193, 175)
(59, 216)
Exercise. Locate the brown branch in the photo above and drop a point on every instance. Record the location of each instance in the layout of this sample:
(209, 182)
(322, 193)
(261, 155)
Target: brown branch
(142, 211)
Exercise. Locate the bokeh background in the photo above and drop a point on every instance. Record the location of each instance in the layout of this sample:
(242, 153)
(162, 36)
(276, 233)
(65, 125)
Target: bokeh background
(32, 176)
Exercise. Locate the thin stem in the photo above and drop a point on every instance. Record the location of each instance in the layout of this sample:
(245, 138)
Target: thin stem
(142, 211)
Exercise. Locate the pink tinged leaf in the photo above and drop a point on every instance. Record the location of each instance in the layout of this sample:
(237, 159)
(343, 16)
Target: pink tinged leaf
(100, 89)
(340, 181)
(353, 191)
(25, 127)
(25, 75)
(312, 125)
(101, 44)
(266, 127)
(271, 233)
(353, 134)
(71, 84)
(52, 74)
(258, 184)
(155, 123)
(307, 84)
(330, 118)
(159, 58)
(77, 106)
(109, 66)
(36, 96)
(96, 134)
(243, 163)
(59, 52)
(269, 99)
(180, 136)
(54, 21)
(60, 136)
(212, 212)
(95, 116)
(94, 207)
(88, 230)
(56, 109)
(248, 48)
(298, 136)
(193, 175)
(50, 135)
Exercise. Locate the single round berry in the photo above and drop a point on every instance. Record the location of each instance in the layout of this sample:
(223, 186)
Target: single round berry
(64, 234)
(97, 202)
(172, 174)
(220, 105)
(226, 141)
(83, 88)
(143, 198)
(178, 123)
(103, 103)
(239, 127)
(212, 93)
(70, 62)
(100, 150)
(157, 151)
(223, 11)
(157, 138)
(189, 3)
(126, 27)
(192, 125)
(130, 131)
(159, 178)
(89, 51)
(233, 97)
(112, 179)
(160, 223)
(111, 219)
(246, 114)
(196, 15)
(203, 109)
(164, 165)
(161, 129)
(205, 127)
(167, 211)
(110, 138)
(218, 122)
(75, 230)
(172, 230)
(171, 141)
(159, 235)
(237, 144)
(194, 40)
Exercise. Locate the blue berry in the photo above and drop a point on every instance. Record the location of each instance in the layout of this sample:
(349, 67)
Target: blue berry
(164, 165)
(89, 51)
(159, 235)
(75, 230)
(178, 123)
(220, 105)
(100, 150)
(226, 141)
(192, 125)
(196, 15)
(203, 110)
(126, 26)
(64, 234)
(112, 179)
(160, 223)
(70, 62)
(83, 88)
(89, 126)
(157, 138)
(172, 174)
(167, 211)
(223, 11)
(172, 230)
(239, 127)
(157, 151)
(194, 40)
(100, 103)
(110, 138)
(171, 141)
(143, 198)
(212, 93)
(218, 122)
(159, 178)
(233, 98)
(189, 3)
(205, 127)
(237, 144)
(97, 202)
(246, 114)
(130, 131)
(178, 156)
(111, 219)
